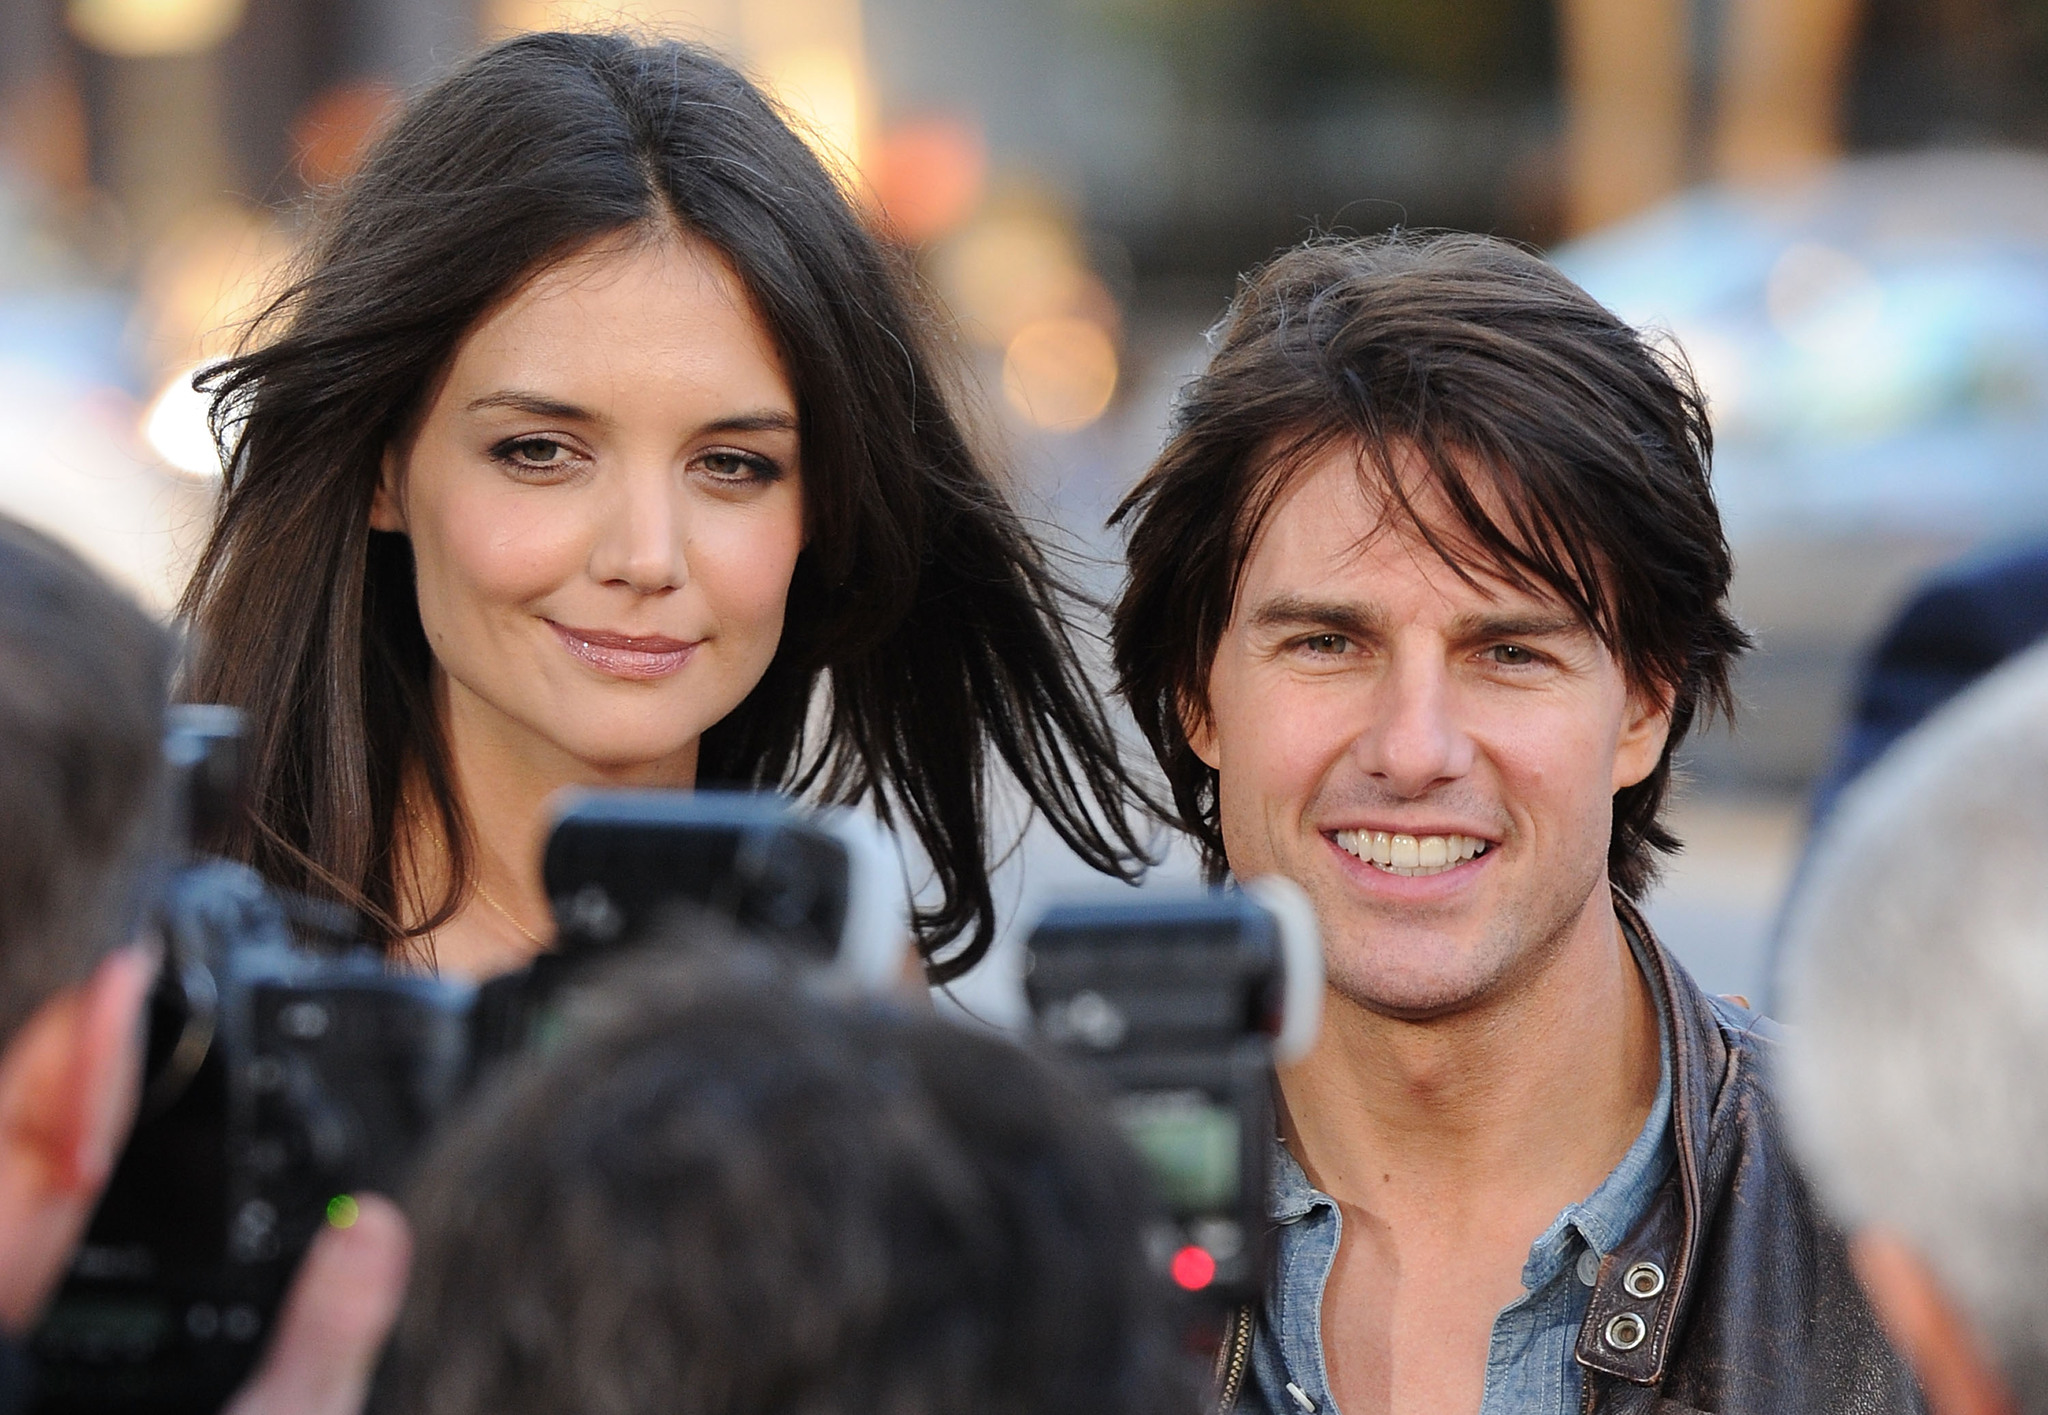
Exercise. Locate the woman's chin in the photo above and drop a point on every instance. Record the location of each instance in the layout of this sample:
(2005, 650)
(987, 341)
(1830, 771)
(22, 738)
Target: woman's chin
(631, 759)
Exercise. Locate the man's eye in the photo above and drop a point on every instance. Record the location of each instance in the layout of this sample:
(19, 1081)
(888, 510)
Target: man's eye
(1511, 654)
(1326, 643)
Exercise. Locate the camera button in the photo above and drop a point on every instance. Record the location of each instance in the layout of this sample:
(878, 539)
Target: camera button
(241, 1323)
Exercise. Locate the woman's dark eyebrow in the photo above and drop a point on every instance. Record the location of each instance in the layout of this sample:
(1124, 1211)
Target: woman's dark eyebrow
(536, 405)
(540, 407)
(761, 420)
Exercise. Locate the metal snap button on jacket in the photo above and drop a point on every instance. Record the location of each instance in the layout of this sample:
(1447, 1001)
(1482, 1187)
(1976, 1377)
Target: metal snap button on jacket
(1626, 1332)
(1644, 1279)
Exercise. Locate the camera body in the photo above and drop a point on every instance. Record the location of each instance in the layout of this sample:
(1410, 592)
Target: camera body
(279, 1082)
(824, 885)
(1182, 1007)
(288, 1068)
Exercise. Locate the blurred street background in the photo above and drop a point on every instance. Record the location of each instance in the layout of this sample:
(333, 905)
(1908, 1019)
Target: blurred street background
(1837, 208)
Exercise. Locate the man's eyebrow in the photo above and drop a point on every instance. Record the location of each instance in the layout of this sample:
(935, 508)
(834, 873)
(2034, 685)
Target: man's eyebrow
(1533, 624)
(1300, 612)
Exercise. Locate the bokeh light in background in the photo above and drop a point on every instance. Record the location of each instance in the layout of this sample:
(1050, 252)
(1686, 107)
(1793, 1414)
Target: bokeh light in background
(330, 136)
(177, 429)
(1017, 280)
(1060, 373)
(199, 290)
(137, 29)
(809, 54)
(928, 175)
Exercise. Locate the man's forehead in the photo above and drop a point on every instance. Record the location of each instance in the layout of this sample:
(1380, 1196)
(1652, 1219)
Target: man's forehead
(1342, 495)
(1334, 529)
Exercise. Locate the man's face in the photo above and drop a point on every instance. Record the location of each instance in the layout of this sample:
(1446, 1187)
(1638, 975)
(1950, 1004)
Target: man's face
(1433, 761)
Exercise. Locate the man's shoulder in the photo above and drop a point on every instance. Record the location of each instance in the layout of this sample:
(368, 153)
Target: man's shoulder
(1742, 1025)
(1770, 1304)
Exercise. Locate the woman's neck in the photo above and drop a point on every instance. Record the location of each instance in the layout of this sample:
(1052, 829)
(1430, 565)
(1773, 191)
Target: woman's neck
(505, 778)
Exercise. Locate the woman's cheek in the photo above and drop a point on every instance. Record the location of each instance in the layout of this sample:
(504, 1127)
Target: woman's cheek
(512, 549)
(744, 566)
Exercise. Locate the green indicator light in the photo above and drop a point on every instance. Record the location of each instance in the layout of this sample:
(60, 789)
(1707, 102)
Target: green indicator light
(342, 1211)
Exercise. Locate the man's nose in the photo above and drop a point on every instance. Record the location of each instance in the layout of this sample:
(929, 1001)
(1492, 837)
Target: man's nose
(1414, 741)
(640, 543)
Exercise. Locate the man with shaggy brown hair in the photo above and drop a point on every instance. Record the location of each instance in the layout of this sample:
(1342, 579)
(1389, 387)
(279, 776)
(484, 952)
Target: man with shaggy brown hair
(1425, 590)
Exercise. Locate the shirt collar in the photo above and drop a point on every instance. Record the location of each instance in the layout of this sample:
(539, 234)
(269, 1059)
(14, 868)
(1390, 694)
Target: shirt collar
(1292, 1196)
(1601, 1221)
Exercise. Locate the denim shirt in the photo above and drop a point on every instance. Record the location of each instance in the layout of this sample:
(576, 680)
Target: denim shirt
(1530, 1366)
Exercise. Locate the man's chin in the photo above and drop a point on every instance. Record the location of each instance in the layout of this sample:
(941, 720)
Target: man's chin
(1419, 989)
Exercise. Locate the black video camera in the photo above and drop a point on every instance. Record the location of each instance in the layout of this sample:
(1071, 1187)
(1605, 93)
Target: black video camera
(1182, 1006)
(288, 1067)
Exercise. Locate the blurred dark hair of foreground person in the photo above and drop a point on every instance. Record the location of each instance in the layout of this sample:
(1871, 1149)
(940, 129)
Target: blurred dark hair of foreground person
(1917, 1076)
(724, 1192)
(84, 676)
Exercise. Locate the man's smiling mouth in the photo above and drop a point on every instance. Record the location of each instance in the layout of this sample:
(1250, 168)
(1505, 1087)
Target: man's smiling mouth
(1410, 854)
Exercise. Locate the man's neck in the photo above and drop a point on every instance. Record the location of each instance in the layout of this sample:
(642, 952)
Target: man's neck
(1450, 1145)
(1536, 1093)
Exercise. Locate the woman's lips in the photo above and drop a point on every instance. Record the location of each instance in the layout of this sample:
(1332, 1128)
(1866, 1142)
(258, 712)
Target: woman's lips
(625, 655)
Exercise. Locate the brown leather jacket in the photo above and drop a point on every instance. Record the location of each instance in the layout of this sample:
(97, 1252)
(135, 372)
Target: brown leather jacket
(1733, 1295)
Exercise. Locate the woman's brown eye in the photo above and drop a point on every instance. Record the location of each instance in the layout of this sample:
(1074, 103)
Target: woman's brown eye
(740, 467)
(538, 451)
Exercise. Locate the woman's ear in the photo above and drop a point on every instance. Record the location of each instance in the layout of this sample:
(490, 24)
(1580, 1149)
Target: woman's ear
(1198, 725)
(387, 510)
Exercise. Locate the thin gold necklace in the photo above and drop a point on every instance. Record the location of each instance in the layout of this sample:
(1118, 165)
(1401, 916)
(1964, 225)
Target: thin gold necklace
(419, 829)
(530, 936)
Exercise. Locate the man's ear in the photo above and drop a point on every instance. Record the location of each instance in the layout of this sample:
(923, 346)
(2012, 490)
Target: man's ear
(1956, 1374)
(68, 1087)
(1644, 730)
(387, 510)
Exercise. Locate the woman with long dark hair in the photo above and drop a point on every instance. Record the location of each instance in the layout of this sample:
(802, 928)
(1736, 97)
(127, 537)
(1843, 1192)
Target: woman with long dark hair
(598, 442)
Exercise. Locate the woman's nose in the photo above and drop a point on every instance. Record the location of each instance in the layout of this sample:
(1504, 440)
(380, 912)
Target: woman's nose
(639, 544)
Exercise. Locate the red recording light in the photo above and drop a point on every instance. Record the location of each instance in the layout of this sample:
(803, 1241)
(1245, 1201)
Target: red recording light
(1193, 1268)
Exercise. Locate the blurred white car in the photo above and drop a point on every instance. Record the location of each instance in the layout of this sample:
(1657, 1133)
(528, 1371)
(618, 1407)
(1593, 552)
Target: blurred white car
(1874, 346)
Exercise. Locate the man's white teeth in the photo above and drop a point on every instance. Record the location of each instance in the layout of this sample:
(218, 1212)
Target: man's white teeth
(1411, 854)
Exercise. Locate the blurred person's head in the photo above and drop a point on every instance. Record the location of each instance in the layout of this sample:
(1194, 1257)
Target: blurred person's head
(84, 676)
(1425, 590)
(722, 1193)
(1916, 1065)
(597, 429)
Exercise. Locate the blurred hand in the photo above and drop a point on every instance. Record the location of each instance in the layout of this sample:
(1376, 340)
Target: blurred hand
(335, 1318)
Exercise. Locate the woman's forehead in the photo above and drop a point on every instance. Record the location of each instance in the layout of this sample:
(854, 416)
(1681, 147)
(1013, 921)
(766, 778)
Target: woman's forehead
(626, 314)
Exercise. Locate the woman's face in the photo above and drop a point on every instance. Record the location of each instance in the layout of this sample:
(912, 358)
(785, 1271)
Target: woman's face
(605, 506)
